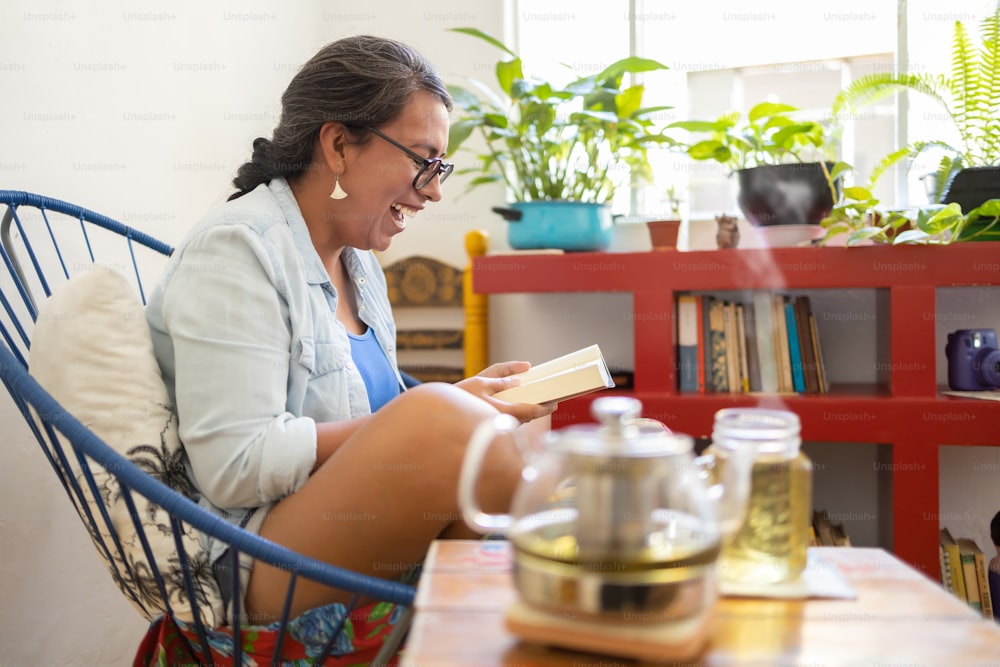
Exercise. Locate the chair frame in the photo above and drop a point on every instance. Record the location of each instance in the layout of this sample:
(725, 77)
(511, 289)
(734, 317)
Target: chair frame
(46, 418)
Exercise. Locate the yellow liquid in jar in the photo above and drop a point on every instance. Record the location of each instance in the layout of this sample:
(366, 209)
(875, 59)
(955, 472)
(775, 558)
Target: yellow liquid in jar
(771, 545)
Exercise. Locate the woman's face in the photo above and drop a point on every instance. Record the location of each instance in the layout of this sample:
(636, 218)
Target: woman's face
(378, 177)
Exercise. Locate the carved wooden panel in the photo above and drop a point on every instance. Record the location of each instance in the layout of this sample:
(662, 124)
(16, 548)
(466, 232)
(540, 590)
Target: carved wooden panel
(423, 281)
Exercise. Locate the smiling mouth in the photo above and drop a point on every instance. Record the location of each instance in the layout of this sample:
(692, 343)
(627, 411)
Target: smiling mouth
(400, 213)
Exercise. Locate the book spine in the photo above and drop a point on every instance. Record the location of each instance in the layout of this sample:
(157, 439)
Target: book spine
(781, 343)
(717, 342)
(803, 310)
(705, 340)
(824, 383)
(702, 321)
(732, 348)
(971, 581)
(741, 347)
(753, 351)
(687, 342)
(794, 353)
(985, 599)
(767, 361)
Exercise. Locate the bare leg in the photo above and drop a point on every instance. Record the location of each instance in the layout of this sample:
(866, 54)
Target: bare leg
(375, 506)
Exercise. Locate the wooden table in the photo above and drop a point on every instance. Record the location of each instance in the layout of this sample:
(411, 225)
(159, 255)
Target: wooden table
(899, 618)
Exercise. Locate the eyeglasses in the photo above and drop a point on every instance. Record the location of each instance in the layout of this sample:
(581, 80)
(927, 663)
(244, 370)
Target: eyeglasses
(429, 167)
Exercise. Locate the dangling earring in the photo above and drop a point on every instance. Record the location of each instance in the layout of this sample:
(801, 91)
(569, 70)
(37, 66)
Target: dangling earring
(338, 192)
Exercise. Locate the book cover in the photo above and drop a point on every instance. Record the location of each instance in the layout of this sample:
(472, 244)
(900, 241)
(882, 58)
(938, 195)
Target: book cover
(717, 346)
(687, 342)
(573, 374)
(794, 353)
(767, 360)
(781, 343)
(824, 383)
(752, 356)
(702, 358)
(741, 344)
(982, 579)
(803, 311)
(945, 572)
(729, 336)
(704, 340)
(954, 563)
(967, 552)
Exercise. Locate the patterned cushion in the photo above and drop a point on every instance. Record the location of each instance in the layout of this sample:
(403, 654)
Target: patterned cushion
(92, 351)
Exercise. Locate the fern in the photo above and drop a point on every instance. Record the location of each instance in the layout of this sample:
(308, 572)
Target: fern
(969, 95)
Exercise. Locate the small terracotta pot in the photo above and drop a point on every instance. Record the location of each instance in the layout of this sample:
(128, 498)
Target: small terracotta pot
(663, 233)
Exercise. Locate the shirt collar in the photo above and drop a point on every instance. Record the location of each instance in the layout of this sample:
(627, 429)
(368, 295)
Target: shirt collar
(312, 265)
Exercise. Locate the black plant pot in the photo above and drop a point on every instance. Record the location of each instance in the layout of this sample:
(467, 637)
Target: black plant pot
(972, 186)
(785, 194)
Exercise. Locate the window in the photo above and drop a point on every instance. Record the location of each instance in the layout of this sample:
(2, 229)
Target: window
(726, 55)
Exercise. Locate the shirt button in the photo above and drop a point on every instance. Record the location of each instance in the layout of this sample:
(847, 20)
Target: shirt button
(361, 281)
(349, 365)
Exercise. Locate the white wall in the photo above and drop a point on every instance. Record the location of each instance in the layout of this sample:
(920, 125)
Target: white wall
(143, 111)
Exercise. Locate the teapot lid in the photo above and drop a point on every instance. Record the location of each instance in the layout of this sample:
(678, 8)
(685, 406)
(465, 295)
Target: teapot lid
(621, 432)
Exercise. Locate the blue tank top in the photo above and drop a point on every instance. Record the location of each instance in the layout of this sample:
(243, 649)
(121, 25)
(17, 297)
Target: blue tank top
(380, 380)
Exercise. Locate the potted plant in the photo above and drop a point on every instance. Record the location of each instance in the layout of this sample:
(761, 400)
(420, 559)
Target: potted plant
(857, 219)
(664, 232)
(777, 158)
(967, 173)
(561, 150)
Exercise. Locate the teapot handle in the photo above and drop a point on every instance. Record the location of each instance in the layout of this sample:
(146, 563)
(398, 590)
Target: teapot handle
(472, 464)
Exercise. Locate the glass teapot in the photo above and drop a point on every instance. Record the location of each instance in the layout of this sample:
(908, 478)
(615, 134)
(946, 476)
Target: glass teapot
(614, 519)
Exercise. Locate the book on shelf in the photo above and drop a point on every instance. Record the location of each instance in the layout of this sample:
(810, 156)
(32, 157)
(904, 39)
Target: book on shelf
(977, 588)
(803, 316)
(733, 382)
(717, 346)
(967, 553)
(574, 374)
(991, 395)
(827, 533)
(767, 344)
(944, 562)
(753, 353)
(823, 382)
(742, 347)
(704, 345)
(700, 345)
(781, 344)
(794, 351)
(764, 337)
(954, 560)
(687, 342)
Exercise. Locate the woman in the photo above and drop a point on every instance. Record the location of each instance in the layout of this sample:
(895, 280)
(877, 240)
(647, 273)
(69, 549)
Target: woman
(275, 337)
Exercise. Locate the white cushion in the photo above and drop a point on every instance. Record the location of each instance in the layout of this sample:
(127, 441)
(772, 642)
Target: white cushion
(91, 350)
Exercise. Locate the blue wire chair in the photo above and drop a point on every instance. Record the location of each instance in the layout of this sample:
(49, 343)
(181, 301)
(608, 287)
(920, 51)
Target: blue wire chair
(36, 251)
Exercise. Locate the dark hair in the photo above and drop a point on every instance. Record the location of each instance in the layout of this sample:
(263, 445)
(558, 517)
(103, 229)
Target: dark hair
(361, 81)
(995, 529)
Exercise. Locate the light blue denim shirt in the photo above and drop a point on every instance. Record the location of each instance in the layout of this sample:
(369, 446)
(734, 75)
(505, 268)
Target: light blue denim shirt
(244, 329)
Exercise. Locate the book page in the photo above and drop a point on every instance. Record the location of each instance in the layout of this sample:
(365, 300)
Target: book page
(559, 364)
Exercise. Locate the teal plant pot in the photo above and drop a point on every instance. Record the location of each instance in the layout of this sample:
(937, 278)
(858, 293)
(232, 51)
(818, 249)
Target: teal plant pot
(562, 225)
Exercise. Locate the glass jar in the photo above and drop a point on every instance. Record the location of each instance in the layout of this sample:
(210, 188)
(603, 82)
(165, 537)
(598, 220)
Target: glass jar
(770, 543)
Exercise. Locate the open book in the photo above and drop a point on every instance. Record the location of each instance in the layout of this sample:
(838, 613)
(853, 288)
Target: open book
(570, 375)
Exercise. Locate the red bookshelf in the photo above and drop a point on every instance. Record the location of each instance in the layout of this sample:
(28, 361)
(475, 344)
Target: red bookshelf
(907, 412)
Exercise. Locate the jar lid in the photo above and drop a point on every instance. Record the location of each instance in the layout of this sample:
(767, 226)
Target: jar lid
(770, 430)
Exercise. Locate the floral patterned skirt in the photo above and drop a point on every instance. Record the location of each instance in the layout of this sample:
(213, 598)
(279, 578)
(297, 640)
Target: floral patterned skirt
(172, 642)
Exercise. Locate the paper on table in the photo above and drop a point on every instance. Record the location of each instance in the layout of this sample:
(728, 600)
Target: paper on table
(819, 580)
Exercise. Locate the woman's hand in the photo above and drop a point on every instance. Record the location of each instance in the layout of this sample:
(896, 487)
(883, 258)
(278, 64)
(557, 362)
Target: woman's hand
(497, 378)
